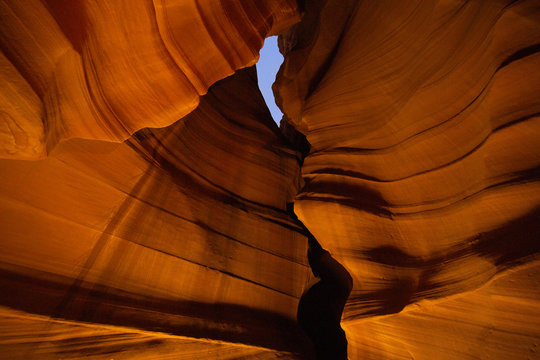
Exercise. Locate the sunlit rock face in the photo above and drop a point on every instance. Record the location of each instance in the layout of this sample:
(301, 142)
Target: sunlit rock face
(173, 243)
(422, 177)
(105, 69)
(141, 218)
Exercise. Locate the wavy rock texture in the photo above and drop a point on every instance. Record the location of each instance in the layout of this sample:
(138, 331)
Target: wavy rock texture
(105, 69)
(423, 173)
(75, 340)
(153, 230)
(179, 230)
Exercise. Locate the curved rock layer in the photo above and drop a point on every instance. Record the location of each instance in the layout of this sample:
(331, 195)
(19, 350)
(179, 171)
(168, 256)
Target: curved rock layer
(46, 339)
(105, 69)
(423, 174)
(178, 231)
(422, 178)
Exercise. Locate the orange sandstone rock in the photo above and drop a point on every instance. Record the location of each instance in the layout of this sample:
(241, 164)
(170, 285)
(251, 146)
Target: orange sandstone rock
(179, 231)
(154, 223)
(422, 178)
(103, 70)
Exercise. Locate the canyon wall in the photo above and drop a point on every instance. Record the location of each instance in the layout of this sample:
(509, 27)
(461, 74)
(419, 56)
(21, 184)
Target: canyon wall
(180, 231)
(143, 191)
(104, 69)
(127, 239)
(422, 178)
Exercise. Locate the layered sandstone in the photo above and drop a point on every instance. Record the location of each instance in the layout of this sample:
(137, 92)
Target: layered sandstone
(180, 230)
(153, 224)
(103, 70)
(423, 120)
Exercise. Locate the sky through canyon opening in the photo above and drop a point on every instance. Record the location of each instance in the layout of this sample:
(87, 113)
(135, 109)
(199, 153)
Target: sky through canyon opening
(267, 67)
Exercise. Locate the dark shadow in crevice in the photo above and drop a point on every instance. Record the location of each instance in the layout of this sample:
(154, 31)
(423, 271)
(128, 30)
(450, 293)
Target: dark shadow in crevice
(321, 306)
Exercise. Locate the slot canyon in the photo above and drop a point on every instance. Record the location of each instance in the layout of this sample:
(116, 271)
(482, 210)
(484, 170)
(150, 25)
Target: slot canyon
(144, 185)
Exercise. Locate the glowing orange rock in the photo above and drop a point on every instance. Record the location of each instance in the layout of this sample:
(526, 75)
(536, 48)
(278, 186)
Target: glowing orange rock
(180, 230)
(103, 70)
(158, 227)
(423, 173)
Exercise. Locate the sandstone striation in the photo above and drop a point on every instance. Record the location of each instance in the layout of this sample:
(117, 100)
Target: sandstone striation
(143, 189)
(103, 70)
(180, 230)
(423, 120)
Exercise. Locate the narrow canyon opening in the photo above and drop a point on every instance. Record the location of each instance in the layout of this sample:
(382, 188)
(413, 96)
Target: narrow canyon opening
(270, 59)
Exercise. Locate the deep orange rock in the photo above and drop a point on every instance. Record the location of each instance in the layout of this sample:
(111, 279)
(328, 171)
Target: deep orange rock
(422, 178)
(180, 230)
(103, 70)
(153, 224)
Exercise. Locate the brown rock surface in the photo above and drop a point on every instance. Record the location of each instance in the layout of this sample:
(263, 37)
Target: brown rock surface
(422, 178)
(178, 232)
(105, 69)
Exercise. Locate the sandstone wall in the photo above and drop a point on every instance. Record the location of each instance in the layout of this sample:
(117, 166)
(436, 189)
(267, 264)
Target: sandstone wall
(105, 69)
(423, 119)
(173, 243)
(142, 217)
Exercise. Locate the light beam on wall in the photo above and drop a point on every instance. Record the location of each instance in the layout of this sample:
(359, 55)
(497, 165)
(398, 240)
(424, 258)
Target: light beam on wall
(267, 67)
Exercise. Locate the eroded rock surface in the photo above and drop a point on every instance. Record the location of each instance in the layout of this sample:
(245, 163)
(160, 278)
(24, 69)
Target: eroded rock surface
(103, 70)
(154, 224)
(422, 178)
(179, 231)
